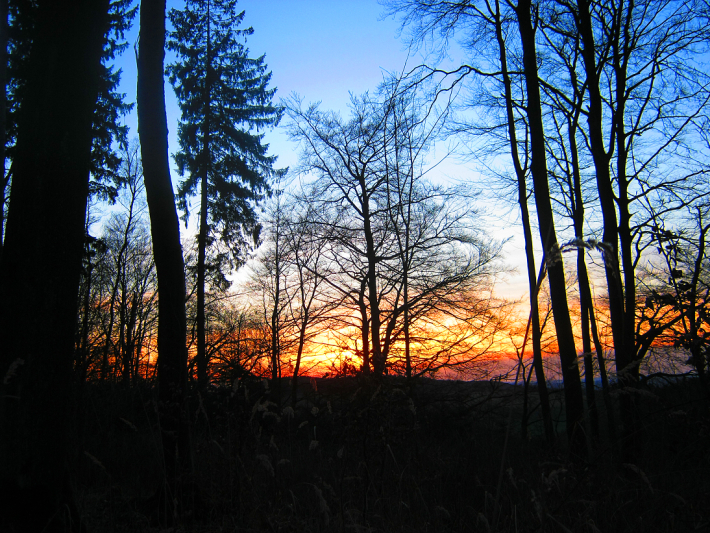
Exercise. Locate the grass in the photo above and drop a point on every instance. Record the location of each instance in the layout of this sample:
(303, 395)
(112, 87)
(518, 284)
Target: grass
(358, 455)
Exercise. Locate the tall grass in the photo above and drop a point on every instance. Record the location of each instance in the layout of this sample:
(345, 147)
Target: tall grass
(357, 454)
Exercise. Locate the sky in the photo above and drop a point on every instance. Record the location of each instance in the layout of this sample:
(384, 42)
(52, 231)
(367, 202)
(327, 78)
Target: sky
(322, 50)
(319, 49)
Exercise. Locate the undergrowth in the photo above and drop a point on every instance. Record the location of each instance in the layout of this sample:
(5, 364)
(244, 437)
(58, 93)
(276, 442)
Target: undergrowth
(356, 454)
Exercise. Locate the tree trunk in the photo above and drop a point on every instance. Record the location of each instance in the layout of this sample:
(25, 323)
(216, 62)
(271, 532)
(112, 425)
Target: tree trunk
(533, 285)
(165, 231)
(365, 331)
(275, 322)
(574, 406)
(378, 361)
(603, 174)
(201, 356)
(204, 206)
(3, 113)
(41, 264)
(585, 303)
(606, 390)
(297, 367)
(585, 299)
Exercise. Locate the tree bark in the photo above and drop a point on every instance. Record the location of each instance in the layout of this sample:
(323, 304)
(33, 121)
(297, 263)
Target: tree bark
(165, 231)
(3, 113)
(378, 360)
(41, 263)
(204, 206)
(574, 406)
(527, 233)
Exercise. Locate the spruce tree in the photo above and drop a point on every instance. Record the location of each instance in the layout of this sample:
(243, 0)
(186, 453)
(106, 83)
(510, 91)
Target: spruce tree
(226, 104)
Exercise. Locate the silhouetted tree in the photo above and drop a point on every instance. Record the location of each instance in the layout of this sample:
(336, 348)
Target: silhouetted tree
(110, 104)
(512, 27)
(364, 208)
(676, 289)
(224, 96)
(118, 291)
(41, 261)
(165, 232)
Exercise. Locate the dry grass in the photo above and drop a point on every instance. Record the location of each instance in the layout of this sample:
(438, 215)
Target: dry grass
(357, 455)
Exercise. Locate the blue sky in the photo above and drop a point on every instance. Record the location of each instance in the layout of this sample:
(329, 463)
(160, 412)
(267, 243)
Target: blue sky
(320, 49)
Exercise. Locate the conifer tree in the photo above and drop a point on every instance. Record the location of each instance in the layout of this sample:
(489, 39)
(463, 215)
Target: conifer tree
(226, 104)
(18, 18)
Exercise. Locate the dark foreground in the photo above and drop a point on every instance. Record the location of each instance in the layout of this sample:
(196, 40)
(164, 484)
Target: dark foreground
(356, 455)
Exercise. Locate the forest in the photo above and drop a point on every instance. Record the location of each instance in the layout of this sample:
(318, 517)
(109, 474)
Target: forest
(197, 338)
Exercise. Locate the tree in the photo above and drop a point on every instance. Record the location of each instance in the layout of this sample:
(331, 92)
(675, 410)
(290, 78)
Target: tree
(642, 70)
(41, 260)
(289, 274)
(107, 132)
(357, 198)
(224, 96)
(676, 307)
(515, 25)
(309, 306)
(165, 232)
(118, 289)
(269, 278)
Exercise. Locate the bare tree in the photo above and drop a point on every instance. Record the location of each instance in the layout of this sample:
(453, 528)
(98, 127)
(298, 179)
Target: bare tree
(386, 232)
(513, 26)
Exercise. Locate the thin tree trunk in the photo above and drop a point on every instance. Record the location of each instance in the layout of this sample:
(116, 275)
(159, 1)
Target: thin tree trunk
(627, 369)
(129, 344)
(82, 348)
(378, 360)
(275, 355)
(606, 390)
(574, 406)
(365, 328)
(41, 264)
(202, 236)
(527, 232)
(603, 174)
(3, 118)
(623, 348)
(585, 300)
(165, 231)
(585, 304)
(301, 343)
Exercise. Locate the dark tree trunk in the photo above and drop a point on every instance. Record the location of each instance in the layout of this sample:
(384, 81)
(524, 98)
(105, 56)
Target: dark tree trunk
(603, 174)
(3, 113)
(533, 284)
(165, 231)
(275, 317)
(574, 406)
(202, 236)
(585, 299)
(41, 264)
(297, 367)
(585, 303)
(378, 360)
(606, 390)
(621, 296)
(201, 355)
(365, 331)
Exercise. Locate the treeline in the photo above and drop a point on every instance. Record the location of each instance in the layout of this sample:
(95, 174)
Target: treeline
(593, 117)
